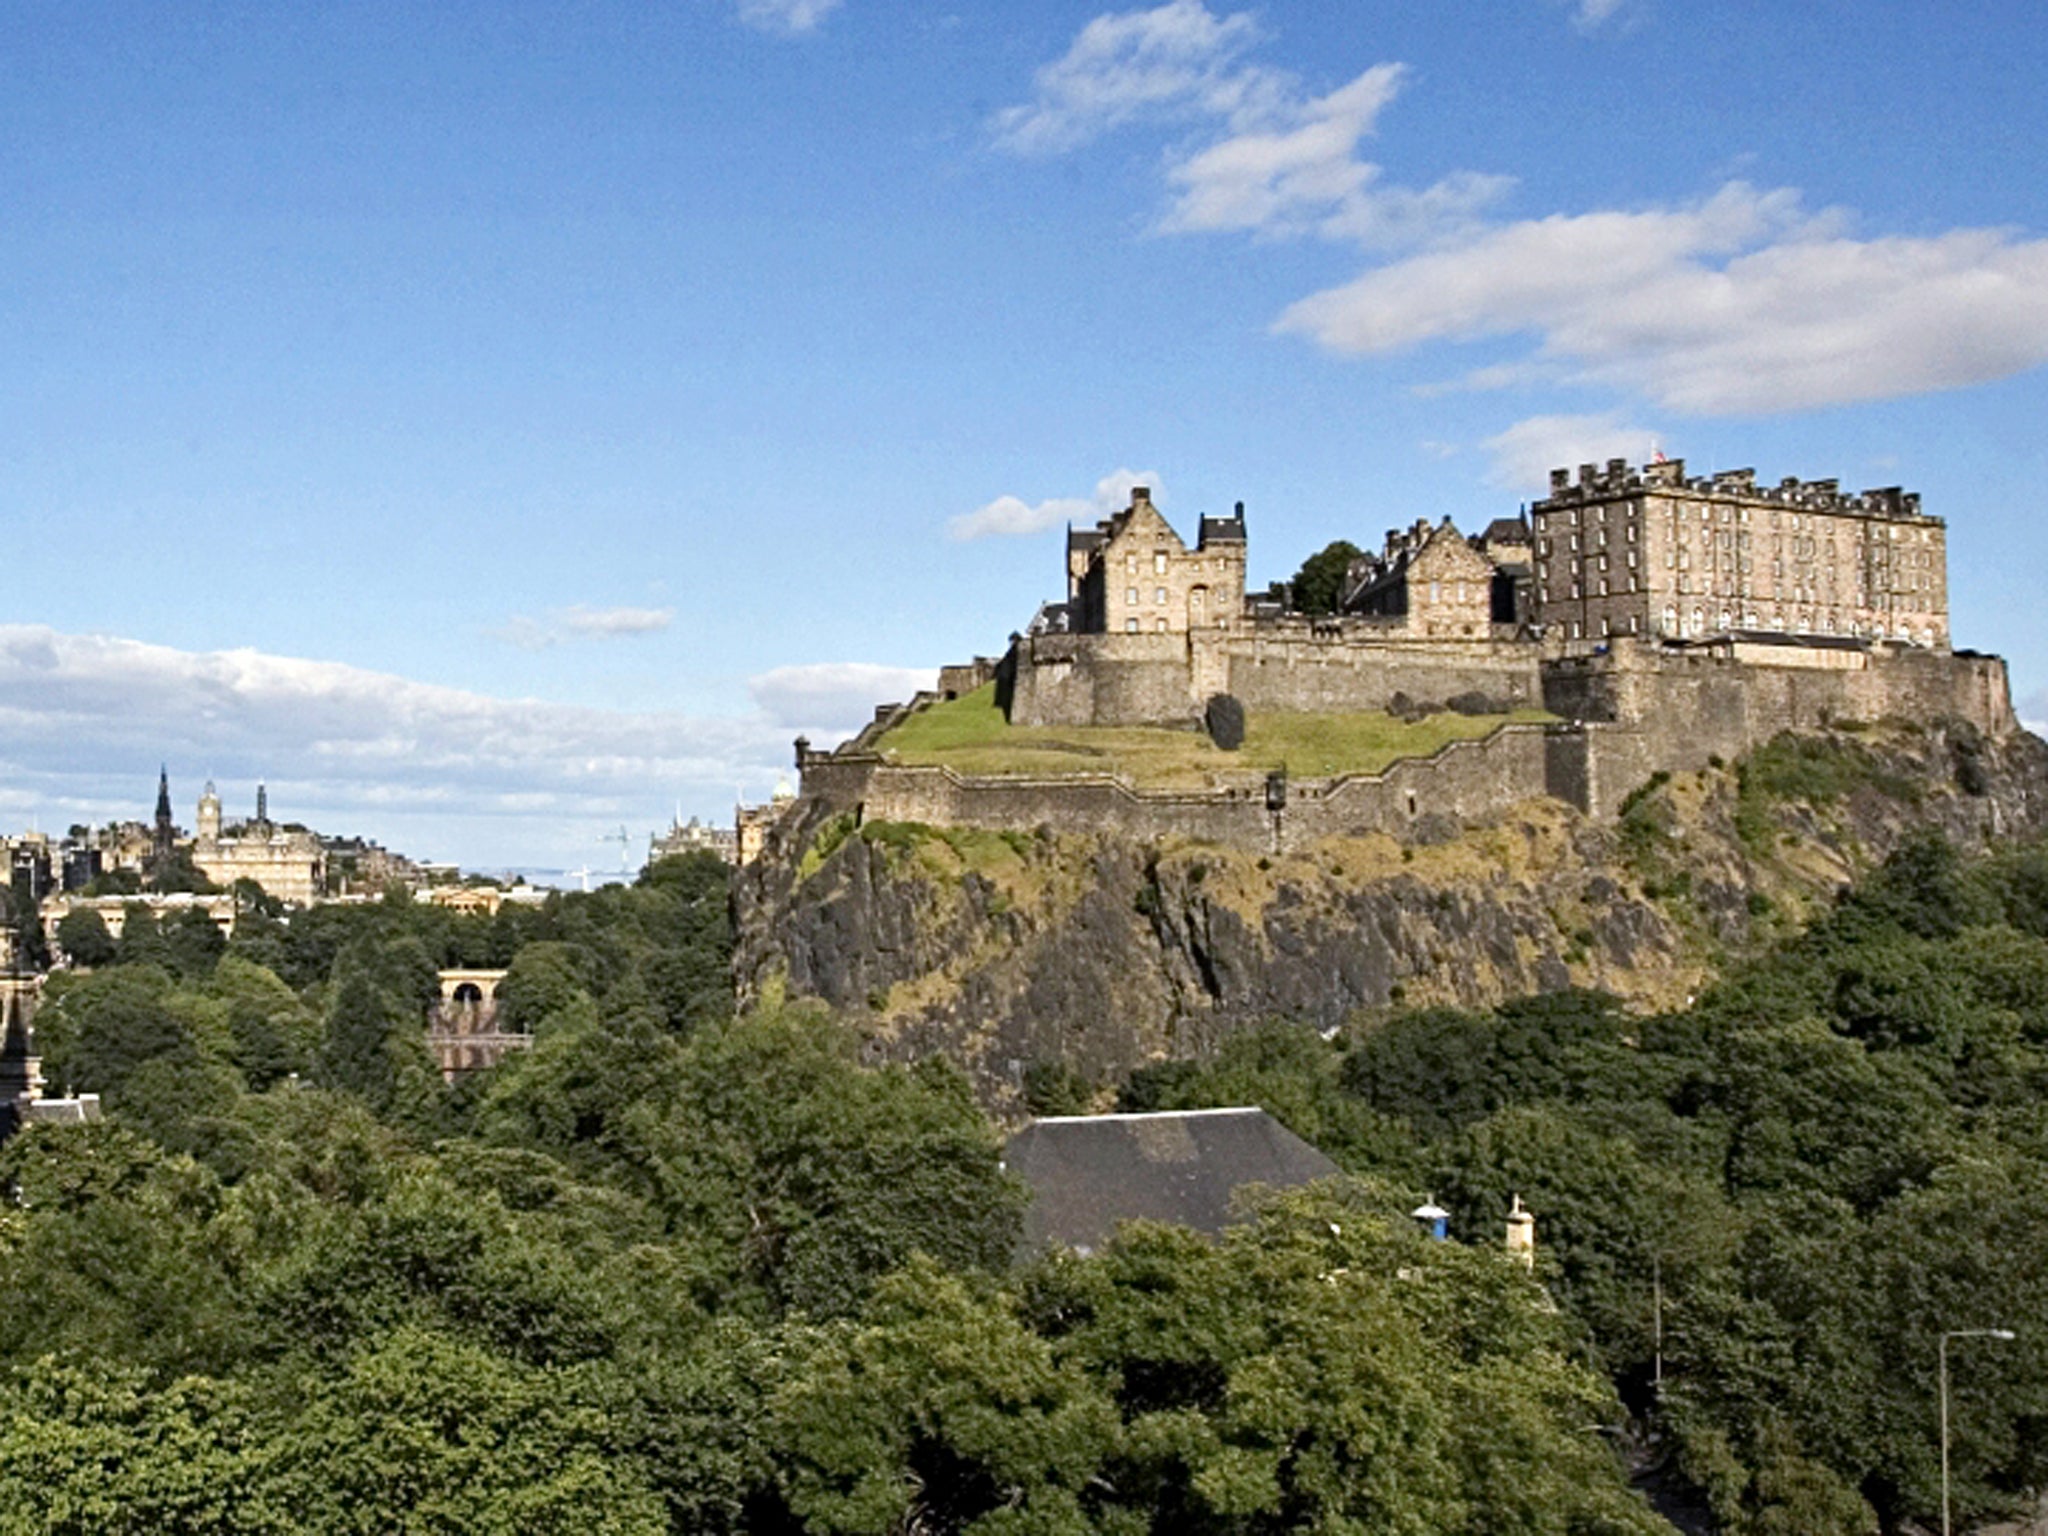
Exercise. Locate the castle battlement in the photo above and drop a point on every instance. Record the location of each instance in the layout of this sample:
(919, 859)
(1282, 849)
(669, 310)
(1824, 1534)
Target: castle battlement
(1617, 478)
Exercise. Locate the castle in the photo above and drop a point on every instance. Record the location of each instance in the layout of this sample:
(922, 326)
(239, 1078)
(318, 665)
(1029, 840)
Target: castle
(1665, 621)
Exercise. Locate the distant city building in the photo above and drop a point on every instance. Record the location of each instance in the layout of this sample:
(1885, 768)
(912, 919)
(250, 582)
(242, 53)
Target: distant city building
(753, 823)
(290, 863)
(695, 836)
(113, 910)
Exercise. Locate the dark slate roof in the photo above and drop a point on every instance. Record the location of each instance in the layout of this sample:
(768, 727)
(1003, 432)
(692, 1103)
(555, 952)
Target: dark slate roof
(1505, 530)
(1799, 638)
(1083, 538)
(1086, 1173)
(1220, 530)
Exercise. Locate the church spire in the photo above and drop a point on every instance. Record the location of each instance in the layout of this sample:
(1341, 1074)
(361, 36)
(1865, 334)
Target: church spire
(165, 832)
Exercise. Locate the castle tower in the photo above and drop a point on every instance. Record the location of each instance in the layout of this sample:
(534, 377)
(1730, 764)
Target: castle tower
(209, 817)
(166, 831)
(262, 805)
(1522, 1234)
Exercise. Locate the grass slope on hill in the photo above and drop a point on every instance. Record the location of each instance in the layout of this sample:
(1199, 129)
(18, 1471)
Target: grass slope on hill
(970, 735)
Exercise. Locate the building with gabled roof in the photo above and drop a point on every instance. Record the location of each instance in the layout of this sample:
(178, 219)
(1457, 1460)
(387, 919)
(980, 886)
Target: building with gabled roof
(1132, 574)
(1087, 1173)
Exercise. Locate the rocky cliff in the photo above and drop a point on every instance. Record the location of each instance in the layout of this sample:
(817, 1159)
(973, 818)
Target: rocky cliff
(1008, 949)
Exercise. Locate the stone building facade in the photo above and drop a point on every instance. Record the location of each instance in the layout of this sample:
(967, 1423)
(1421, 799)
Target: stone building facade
(290, 863)
(1652, 552)
(1131, 574)
(1427, 581)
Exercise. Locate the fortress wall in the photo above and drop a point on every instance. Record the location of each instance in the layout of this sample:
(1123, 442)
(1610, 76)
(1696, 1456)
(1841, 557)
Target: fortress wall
(1163, 679)
(1633, 711)
(1676, 711)
(1101, 680)
(1467, 782)
(1349, 675)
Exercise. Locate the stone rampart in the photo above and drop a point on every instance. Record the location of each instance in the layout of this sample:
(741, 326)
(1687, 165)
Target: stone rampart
(1626, 713)
(1463, 783)
(1355, 672)
(1153, 679)
(1646, 708)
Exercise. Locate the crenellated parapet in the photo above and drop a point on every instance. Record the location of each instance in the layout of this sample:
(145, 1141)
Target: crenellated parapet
(1617, 477)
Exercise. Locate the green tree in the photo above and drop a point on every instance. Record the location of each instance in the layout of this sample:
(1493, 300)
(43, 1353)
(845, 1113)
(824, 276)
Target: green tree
(82, 935)
(807, 1175)
(1320, 582)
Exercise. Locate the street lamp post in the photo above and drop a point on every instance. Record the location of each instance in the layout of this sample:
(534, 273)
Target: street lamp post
(1942, 1352)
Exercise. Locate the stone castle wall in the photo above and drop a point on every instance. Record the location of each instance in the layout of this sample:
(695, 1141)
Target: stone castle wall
(1464, 782)
(1351, 673)
(1645, 709)
(1624, 715)
(1165, 679)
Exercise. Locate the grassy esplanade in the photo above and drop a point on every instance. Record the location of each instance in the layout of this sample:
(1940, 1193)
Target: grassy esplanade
(970, 735)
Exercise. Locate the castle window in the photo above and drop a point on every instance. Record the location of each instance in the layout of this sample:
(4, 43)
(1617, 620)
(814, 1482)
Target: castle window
(1670, 619)
(1130, 626)
(1159, 562)
(1161, 626)
(1606, 628)
(1159, 596)
(1130, 597)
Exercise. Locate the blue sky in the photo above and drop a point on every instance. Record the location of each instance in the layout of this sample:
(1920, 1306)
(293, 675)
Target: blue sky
(494, 425)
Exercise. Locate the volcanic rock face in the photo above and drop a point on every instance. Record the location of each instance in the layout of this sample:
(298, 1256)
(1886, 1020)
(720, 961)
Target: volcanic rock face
(1003, 949)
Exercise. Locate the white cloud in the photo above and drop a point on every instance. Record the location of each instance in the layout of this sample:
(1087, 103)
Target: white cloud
(1012, 515)
(580, 622)
(1589, 14)
(1742, 303)
(834, 695)
(1526, 453)
(790, 17)
(436, 771)
(1279, 161)
(1301, 174)
(1174, 61)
